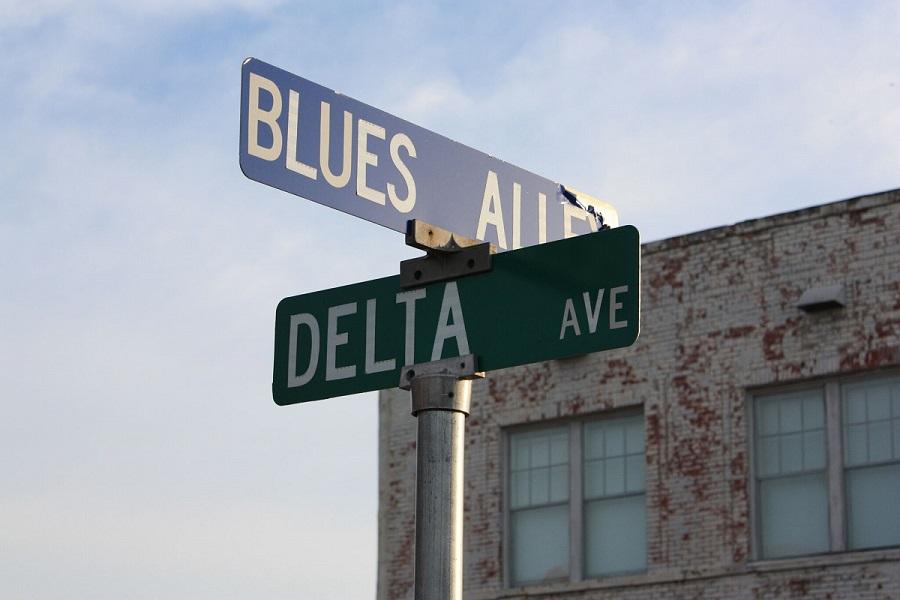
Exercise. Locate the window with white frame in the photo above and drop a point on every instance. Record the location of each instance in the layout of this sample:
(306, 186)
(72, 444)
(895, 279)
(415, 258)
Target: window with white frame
(791, 476)
(576, 500)
(539, 505)
(615, 530)
(871, 413)
(827, 468)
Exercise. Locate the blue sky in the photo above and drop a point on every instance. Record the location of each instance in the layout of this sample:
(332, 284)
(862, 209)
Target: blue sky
(142, 456)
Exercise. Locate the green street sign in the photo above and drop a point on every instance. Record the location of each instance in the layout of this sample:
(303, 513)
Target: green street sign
(542, 302)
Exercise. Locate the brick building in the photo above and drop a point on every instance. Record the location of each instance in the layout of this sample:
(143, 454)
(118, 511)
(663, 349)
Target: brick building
(747, 446)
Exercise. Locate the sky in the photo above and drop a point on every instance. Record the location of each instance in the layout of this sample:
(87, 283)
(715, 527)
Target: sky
(141, 455)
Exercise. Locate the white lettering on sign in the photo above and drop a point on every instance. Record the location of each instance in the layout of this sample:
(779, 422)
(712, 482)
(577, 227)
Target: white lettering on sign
(335, 181)
(450, 308)
(570, 319)
(450, 326)
(258, 118)
(492, 213)
(290, 158)
(517, 216)
(256, 115)
(364, 158)
(404, 205)
(409, 298)
(592, 312)
(615, 305)
(542, 218)
(335, 339)
(491, 210)
(372, 365)
(573, 212)
(295, 380)
(593, 315)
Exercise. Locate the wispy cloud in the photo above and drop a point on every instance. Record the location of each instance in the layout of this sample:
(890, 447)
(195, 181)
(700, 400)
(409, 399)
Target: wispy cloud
(712, 117)
(142, 269)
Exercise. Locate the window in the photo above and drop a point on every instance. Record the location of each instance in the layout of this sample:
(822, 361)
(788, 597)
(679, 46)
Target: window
(539, 505)
(827, 468)
(576, 500)
(871, 414)
(791, 476)
(615, 529)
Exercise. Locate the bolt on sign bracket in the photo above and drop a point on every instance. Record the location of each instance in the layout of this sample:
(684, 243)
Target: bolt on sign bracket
(449, 255)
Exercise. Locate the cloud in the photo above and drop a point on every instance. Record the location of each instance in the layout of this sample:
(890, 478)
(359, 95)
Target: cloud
(27, 13)
(717, 113)
(146, 458)
(31, 13)
(432, 98)
(142, 269)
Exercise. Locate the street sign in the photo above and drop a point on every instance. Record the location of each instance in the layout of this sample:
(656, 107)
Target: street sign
(548, 301)
(311, 141)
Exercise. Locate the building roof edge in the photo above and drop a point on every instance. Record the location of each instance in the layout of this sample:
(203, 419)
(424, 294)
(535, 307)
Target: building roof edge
(751, 226)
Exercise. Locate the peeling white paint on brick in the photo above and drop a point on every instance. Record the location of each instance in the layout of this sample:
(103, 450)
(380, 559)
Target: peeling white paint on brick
(719, 317)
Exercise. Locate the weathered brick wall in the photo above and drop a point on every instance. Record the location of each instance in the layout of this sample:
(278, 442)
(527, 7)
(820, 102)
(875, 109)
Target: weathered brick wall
(718, 317)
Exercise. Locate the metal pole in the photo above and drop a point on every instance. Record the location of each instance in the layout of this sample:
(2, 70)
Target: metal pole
(441, 397)
(439, 484)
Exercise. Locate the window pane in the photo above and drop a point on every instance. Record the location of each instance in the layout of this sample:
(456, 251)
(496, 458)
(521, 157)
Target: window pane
(878, 402)
(897, 438)
(634, 436)
(768, 456)
(540, 486)
(593, 437)
(855, 443)
(615, 536)
(880, 441)
(615, 441)
(559, 450)
(634, 473)
(814, 450)
(615, 475)
(559, 483)
(790, 415)
(791, 457)
(793, 515)
(855, 402)
(594, 474)
(540, 451)
(540, 544)
(895, 395)
(813, 414)
(873, 506)
(797, 442)
(519, 490)
(531, 484)
(520, 453)
(767, 423)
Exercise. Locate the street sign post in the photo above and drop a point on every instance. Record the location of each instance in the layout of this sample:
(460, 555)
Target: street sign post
(549, 297)
(311, 141)
(543, 302)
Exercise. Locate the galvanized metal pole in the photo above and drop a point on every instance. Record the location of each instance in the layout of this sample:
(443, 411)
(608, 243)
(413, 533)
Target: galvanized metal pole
(441, 397)
(440, 401)
(439, 487)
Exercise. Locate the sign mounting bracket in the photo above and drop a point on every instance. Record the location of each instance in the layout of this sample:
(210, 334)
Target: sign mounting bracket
(449, 255)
